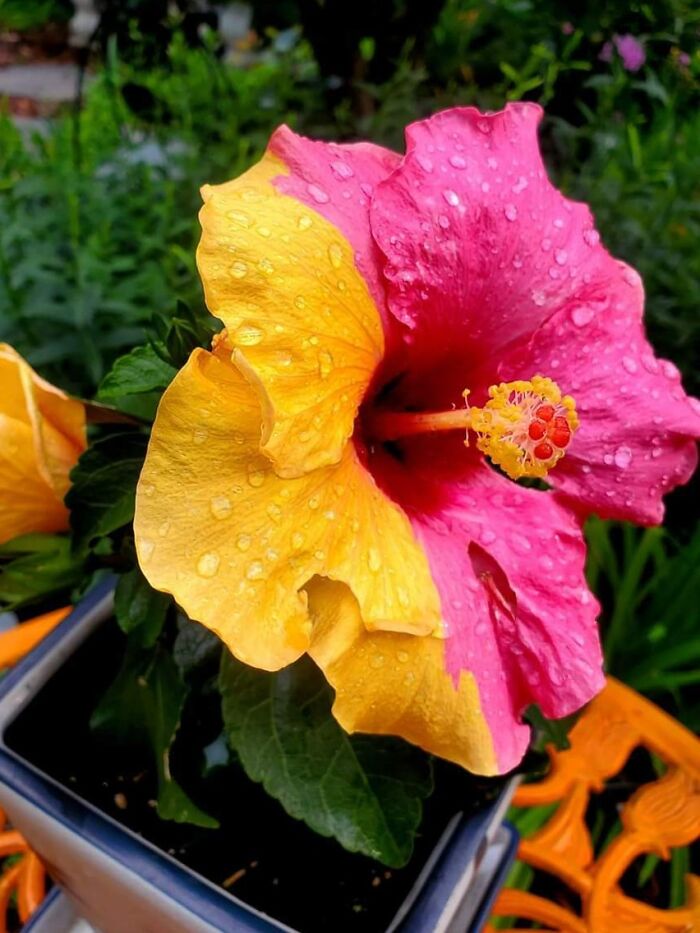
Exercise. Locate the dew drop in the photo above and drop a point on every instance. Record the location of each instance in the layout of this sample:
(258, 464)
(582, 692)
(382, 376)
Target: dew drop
(274, 511)
(591, 237)
(304, 222)
(208, 564)
(240, 218)
(146, 548)
(457, 162)
(239, 269)
(199, 436)
(264, 232)
(147, 489)
(560, 257)
(451, 197)
(248, 335)
(243, 542)
(256, 570)
(164, 529)
(582, 315)
(538, 297)
(266, 266)
(424, 163)
(335, 255)
(374, 560)
(220, 507)
(376, 661)
(629, 365)
(520, 185)
(256, 477)
(314, 502)
(623, 457)
(342, 169)
(297, 540)
(402, 656)
(318, 194)
(325, 364)
(487, 536)
(511, 212)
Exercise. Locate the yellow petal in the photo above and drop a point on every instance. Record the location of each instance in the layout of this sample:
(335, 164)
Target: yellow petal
(235, 543)
(42, 434)
(395, 684)
(57, 420)
(27, 502)
(300, 321)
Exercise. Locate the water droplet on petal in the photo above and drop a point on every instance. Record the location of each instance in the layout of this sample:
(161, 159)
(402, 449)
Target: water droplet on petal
(318, 194)
(582, 315)
(623, 457)
(376, 661)
(374, 560)
(424, 163)
(248, 335)
(342, 169)
(591, 237)
(199, 436)
(629, 364)
(335, 255)
(255, 570)
(145, 548)
(220, 507)
(402, 656)
(256, 477)
(297, 540)
(325, 364)
(451, 197)
(208, 564)
(243, 542)
(511, 212)
(239, 269)
(560, 256)
(457, 162)
(304, 222)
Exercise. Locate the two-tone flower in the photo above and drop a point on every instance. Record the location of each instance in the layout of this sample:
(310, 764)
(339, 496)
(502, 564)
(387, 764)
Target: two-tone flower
(308, 487)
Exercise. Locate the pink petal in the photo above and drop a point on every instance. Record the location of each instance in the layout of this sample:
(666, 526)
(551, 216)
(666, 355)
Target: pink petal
(338, 182)
(508, 563)
(480, 247)
(637, 424)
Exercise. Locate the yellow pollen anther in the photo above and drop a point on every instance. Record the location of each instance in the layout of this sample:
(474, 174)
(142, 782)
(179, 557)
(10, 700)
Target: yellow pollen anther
(524, 428)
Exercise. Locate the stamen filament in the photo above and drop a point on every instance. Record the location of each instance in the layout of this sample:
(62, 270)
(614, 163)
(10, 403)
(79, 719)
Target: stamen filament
(392, 425)
(524, 428)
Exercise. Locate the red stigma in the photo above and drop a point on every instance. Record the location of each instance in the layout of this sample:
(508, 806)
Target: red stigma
(545, 412)
(537, 430)
(543, 451)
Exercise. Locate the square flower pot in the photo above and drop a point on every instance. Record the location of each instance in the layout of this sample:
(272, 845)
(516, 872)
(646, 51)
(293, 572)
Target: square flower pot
(121, 883)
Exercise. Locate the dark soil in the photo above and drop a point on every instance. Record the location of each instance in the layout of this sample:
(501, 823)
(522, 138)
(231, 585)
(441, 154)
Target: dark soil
(260, 854)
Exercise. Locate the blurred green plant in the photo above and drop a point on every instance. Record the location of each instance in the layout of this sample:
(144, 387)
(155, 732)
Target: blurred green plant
(649, 587)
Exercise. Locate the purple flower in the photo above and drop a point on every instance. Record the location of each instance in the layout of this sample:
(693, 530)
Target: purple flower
(631, 51)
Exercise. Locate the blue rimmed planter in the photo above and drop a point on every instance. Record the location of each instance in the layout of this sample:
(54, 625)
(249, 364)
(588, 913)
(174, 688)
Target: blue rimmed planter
(121, 883)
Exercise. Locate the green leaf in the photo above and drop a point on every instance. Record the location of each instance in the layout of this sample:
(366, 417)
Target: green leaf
(136, 382)
(549, 731)
(195, 647)
(101, 498)
(366, 791)
(143, 706)
(140, 610)
(35, 566)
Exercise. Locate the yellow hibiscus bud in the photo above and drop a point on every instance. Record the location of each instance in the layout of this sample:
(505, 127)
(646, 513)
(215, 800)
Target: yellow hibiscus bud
(42, 434)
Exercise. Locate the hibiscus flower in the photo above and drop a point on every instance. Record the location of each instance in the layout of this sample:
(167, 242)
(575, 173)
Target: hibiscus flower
(42, 434)
(308, 487)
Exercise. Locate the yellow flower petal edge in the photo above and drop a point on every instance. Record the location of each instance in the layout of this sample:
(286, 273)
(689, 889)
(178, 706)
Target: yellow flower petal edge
(300, 322)
(235, 543)
(42, 434)
(394, 684)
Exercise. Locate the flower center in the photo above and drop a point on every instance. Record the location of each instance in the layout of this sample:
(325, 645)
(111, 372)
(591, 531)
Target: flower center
(524, 428)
